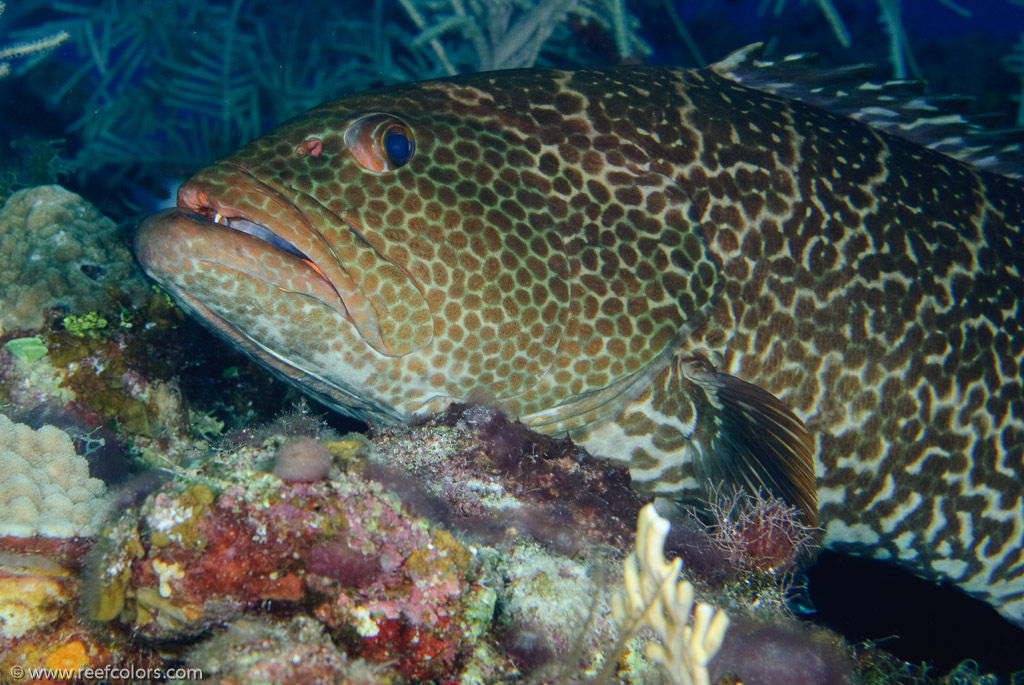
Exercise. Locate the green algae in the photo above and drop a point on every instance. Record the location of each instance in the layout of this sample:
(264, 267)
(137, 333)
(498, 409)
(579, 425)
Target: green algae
(87, 325)
(28, 350)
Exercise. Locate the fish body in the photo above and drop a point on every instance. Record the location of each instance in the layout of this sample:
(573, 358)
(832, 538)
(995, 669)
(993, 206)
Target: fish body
(708, 281)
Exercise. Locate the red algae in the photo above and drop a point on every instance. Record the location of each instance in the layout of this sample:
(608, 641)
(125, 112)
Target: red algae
(422, 655)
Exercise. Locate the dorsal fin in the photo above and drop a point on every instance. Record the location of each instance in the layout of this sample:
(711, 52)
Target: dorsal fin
(900, 108)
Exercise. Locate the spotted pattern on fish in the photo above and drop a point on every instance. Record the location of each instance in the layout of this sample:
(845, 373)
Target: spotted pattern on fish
(700, 278)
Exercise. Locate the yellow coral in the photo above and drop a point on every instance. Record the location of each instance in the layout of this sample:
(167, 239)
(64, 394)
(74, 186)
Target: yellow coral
(70, 657)
(29, 599)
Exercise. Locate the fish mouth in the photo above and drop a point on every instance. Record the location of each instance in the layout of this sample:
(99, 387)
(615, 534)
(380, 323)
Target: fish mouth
(183, 240)
(251, 218)
(231, 223)
(258, 231)
(209, 208)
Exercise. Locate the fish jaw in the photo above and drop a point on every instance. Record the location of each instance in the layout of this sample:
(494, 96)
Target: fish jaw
(253, 264)
(183, 250)
(289, 240)
(273, 305)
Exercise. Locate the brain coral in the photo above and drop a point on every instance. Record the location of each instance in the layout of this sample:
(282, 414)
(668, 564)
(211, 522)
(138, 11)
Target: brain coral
(45, 486)
(57, 249)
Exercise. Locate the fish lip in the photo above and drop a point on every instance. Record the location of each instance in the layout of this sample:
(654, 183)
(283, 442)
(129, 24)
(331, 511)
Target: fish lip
(229, 193)
(210, 209)
(207, 206)
(193, 197)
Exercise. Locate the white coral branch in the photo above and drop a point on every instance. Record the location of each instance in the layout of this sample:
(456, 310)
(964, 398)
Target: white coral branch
(655, 597)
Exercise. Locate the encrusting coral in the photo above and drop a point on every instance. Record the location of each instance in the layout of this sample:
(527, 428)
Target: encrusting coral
(204, 550)
(33, 593)
(45, 488)
(39, 623)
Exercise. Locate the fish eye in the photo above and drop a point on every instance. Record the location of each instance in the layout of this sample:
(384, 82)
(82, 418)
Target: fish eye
(380, 142)
(397, 145)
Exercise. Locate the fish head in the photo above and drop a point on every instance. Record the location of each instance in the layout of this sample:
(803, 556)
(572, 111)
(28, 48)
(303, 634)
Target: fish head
(495, 238)
(367, 251)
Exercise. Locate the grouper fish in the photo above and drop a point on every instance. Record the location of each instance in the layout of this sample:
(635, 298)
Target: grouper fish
(683, 269)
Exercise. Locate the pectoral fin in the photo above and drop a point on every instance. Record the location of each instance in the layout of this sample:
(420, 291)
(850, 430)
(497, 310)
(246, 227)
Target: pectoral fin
(748, 438)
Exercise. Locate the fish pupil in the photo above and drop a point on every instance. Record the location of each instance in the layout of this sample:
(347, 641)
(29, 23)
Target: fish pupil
(397, 146)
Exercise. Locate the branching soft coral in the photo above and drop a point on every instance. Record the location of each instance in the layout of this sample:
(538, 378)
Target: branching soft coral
(15, 50)
(510, 35)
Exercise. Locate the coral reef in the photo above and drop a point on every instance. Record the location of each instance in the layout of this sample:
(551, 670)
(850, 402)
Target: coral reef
(45, 488)
(86, 338)
(521, 531)
(58, 252)
(200, 552)
(554, 611)
(259, 651)
(39, 623)
(339, 579)
(472, 467)
(97, 380)
(32, 598)
(40, 626)
(398, 571)
(387, 584)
